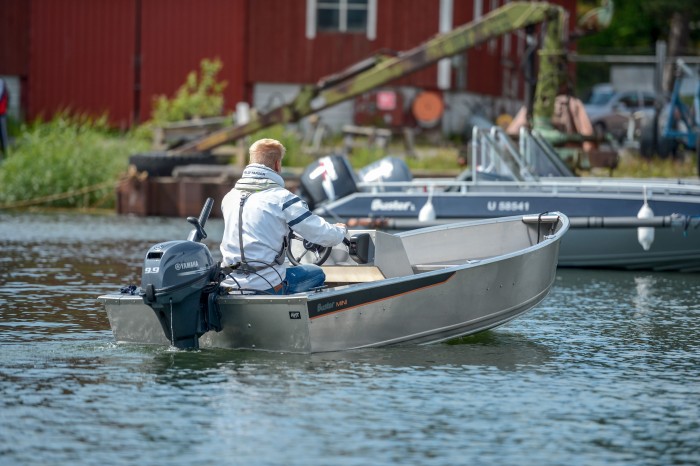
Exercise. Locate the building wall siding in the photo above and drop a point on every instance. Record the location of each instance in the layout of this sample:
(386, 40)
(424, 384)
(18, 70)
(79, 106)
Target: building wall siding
(116, 56)
(81, 58)
(176, 35)
(84, 53)
(280, 51)
(14, 33)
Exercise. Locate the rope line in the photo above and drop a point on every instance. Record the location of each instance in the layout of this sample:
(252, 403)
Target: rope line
(66, 195)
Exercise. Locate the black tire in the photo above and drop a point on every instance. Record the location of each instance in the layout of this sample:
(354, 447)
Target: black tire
(163, 163)
(648, 137)
(667, 148)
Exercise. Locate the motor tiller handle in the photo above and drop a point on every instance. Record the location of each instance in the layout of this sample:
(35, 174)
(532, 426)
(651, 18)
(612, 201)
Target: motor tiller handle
(198, 234)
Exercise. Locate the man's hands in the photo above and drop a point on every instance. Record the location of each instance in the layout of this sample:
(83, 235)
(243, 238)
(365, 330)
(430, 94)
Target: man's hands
(343, 226)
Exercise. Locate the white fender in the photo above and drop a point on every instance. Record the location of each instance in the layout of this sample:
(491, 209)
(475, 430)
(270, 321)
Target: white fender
(645, 235)
(427, 212)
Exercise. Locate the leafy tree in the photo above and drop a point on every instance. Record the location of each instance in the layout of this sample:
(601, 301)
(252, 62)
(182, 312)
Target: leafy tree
(637, 26)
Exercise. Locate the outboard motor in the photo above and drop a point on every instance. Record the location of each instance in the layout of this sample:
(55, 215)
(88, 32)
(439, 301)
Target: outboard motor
(388, 168)
(327, 179)
(179, 282)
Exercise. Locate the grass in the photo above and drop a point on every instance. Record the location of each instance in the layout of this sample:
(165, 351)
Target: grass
(632, 165)
(76, 162)
(71, 162)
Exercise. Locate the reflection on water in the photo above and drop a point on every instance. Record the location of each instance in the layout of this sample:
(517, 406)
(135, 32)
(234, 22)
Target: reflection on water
(605, 371)
(489, 349)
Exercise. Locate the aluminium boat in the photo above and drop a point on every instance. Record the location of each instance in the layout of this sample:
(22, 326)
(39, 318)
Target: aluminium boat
(413, 287)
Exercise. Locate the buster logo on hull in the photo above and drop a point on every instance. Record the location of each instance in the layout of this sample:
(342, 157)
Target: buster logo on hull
(322, 307)
(392, 206)
(331, 306)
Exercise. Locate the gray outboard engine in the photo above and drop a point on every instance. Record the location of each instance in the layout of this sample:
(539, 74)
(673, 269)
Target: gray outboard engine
(388, 168)
(327, 179)
(180, 282)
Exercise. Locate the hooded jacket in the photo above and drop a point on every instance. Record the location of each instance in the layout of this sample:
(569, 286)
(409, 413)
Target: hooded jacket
(269, 212)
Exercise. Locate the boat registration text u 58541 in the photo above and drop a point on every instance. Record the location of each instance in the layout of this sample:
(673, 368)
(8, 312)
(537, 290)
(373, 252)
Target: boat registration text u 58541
(508, 206)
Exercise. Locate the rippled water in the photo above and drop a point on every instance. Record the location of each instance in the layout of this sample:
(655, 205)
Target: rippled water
(606, 371)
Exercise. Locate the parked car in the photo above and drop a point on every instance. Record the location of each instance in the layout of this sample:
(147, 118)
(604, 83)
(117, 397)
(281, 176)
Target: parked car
(611, 111)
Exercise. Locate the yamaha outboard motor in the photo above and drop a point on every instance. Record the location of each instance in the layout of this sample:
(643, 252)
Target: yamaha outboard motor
(387, 169)
(180, 281)
(327, 179)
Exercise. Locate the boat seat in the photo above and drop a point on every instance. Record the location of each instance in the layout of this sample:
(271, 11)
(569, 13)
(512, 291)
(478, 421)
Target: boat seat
(352, 274)
(390, 256)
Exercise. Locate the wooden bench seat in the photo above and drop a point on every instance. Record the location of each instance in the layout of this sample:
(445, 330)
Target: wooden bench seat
(352, 274)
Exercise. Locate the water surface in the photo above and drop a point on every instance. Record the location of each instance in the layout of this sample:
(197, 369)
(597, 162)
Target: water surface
(605, 371)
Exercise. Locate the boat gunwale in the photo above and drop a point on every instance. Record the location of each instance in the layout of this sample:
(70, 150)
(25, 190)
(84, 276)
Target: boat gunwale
(449, 269)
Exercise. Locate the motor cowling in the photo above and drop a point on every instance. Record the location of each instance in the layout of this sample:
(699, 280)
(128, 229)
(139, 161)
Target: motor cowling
(327, 179)
(179, 281)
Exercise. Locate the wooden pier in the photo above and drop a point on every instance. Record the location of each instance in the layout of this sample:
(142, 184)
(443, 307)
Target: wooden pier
(183, 193)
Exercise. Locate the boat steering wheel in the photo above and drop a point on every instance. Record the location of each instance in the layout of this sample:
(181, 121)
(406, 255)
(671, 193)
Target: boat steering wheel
(295, 253)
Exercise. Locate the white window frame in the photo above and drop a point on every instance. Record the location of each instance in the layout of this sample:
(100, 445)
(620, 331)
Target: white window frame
(312, 7)
(478, 9)
(493, 43)
(444, 67)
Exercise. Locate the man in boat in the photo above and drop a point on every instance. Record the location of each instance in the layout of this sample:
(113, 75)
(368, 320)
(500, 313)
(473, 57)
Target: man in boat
(258, 214)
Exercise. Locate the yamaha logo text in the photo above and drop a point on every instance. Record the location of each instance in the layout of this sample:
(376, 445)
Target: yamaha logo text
(186, 265)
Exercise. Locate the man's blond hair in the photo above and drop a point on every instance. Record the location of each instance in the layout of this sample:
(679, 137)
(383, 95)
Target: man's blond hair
(267, 152)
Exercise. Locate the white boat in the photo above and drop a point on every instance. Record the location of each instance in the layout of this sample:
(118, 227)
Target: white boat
(615, 223)
(414, 287)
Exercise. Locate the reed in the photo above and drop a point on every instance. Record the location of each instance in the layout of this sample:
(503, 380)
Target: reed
(69, 161)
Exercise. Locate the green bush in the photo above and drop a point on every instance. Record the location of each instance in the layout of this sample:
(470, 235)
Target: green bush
(60, 163)
(199, 97)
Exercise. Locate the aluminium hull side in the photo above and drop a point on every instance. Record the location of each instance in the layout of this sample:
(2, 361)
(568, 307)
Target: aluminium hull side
(673, 249)
(417, 309)
(132, 321)
(477, 204)
(441, 305)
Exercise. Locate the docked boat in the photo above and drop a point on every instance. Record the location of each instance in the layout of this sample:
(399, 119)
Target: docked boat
(647, 224)
(414, 287)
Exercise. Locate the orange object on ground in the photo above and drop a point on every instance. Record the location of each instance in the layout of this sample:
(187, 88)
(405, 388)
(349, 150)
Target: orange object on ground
(428, 108)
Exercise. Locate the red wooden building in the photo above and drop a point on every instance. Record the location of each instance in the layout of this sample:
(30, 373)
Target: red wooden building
(115, 56)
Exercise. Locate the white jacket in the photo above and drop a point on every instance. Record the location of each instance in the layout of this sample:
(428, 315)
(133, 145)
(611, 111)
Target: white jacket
(268, 214)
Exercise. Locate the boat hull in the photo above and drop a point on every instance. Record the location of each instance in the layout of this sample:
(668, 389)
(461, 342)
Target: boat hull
(674, 249)
(425, 307)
